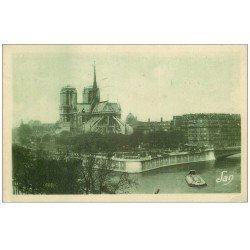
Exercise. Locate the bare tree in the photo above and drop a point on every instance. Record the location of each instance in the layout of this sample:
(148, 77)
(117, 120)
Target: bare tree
(99, 177)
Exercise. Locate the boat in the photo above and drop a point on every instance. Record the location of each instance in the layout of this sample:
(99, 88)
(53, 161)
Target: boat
(194, 180)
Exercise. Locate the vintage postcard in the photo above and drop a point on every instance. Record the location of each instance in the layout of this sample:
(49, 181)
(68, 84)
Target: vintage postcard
(125, 123)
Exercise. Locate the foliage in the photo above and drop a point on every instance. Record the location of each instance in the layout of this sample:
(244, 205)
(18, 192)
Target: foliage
(24, 133)
(94, 142)
(36, 173)
(46, 138)
(103, 179)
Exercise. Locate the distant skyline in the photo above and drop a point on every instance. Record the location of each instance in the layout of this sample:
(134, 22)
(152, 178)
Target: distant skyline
(148, 81)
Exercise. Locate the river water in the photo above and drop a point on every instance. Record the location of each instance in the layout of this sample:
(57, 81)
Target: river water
(221, 176)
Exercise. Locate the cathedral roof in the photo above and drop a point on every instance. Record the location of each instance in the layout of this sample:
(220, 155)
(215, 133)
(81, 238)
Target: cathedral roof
(116, 107)
(85, 106)
(107, 107)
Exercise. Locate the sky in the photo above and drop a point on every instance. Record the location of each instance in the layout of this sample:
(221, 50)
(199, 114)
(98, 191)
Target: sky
(148, 81)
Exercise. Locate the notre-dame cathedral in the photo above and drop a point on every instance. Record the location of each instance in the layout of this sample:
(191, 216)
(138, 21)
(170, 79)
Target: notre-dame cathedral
(91, 115)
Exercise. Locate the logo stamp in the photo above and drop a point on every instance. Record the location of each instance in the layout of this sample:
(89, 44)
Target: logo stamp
(225, 178)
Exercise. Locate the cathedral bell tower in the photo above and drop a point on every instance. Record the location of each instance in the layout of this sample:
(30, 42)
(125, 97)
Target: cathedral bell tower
(68, 106)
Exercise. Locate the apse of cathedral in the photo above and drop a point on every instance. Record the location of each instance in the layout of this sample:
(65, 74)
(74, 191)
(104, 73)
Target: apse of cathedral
(92, 114)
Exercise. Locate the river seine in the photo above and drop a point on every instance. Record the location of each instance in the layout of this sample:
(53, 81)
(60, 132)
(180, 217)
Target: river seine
(221, 176)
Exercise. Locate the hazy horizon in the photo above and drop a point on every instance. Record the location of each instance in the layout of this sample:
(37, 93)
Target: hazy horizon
(162, 82)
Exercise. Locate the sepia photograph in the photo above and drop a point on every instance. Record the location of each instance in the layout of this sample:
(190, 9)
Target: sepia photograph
(125, 123)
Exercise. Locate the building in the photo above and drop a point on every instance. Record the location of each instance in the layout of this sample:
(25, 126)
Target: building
(217, 130)
(147, 126)
(92, 114)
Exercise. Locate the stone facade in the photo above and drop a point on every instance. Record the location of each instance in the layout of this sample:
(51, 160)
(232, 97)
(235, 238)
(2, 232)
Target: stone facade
(146, 127)
(216, 130)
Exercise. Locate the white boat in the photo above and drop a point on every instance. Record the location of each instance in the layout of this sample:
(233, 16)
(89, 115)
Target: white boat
(194, 180)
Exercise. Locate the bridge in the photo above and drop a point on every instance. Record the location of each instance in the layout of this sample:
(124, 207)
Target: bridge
(226, 151)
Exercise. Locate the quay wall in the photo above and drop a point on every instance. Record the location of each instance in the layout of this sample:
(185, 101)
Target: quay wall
(142, 165)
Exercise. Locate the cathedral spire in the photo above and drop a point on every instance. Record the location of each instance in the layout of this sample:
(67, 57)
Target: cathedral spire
(95, 99)
(94, 83)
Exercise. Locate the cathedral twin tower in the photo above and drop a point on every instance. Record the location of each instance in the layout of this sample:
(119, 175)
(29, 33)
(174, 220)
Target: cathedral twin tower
(92, 115)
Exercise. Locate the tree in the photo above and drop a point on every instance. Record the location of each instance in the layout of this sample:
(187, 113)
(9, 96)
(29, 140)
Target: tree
(46, 138)
(98, 177)
(35, 172)
(24, 133)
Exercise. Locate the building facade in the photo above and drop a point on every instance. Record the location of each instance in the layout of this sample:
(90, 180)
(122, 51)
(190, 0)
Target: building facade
(217, 130)
(146, 127)
(90, 115)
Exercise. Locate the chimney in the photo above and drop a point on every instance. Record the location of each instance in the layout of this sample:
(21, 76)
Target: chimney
(148, 119)
(161, 119)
